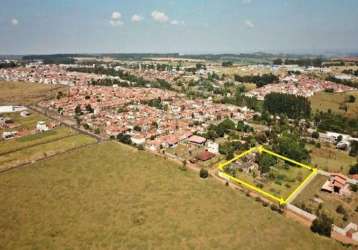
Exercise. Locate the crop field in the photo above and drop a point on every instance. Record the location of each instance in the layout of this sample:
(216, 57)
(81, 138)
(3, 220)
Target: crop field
(323, 101)
(329, 202)
(109, 196)
(26, 93)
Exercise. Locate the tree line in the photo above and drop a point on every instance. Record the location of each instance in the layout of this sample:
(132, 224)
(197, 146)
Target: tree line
(138, 81)
(259, 80)
(304, 62)
(293, 106)
(5, 65)
(329, 121)
(340, 81)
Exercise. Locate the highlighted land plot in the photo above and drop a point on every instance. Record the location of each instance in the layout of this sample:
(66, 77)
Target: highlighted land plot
(271, 175)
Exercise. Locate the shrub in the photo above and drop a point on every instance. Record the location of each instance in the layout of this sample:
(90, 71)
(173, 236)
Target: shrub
(340, 209)
(274, 207)
(203, 173)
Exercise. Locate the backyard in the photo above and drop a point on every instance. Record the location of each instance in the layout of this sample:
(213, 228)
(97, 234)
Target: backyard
(272, 175)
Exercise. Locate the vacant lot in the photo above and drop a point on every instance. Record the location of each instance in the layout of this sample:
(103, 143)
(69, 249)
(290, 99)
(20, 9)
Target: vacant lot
(311, 194)
(323, 101)
(34, 139)
(108, 196)
(330, 159)
(23, 123)
(25, 93)
(36, 152)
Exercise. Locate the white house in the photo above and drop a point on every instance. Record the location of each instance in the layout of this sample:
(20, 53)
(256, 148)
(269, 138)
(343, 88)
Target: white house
(213, 147)
(41, 126)
(9, 135)
(138, 140)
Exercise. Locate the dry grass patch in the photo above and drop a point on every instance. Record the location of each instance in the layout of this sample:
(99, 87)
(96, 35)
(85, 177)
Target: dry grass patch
(107, 196)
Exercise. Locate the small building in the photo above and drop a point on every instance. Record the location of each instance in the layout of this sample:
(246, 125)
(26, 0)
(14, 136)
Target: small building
(9, 135)
(41, 126)
(213, 147)
(197, 139)
(205, 156)
(138, 140)
(337, 184)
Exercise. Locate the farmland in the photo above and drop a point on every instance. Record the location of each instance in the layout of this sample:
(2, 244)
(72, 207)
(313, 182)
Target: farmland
(110, 196)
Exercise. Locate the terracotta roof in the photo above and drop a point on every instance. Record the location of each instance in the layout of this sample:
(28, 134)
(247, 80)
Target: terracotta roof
(197, 139)
(205, 155)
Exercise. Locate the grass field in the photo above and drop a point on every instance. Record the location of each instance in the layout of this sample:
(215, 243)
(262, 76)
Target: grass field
(330, 202)
(108, 196)
(34, 139)
(323, 101)
(25, 93)
(36, 152)
(330, 159)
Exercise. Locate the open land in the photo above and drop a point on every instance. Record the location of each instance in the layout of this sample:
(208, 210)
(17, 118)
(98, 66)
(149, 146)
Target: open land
(109, 196)
(26, 93)
(323, 101)
(329, 202)
(330, 159)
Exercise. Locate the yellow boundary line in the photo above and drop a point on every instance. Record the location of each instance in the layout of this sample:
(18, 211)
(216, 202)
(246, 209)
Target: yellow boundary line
(261, 149)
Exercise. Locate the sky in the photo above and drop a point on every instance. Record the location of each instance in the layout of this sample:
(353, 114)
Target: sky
(183, 26)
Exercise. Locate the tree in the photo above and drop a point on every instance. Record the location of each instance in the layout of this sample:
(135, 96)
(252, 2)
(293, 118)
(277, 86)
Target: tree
(277, 61)
(137, 128)
(354, 169)
(315, 135)
(59, 95)
(227, 64)
(290, 145)
(124, 138)
(266, 162)
(351, 99)
(354, 149)
(89, 108)
(322, 225)
(204, 173)
(78, 110)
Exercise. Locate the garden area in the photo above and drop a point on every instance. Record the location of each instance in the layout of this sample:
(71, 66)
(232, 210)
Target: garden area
(271, 174)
